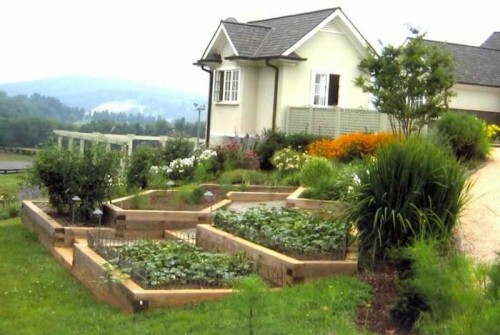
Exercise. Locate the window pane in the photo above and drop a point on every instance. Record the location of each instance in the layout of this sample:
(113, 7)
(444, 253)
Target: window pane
(333, 90)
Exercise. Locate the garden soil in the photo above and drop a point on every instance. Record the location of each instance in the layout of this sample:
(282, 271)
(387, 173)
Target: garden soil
(479, 229)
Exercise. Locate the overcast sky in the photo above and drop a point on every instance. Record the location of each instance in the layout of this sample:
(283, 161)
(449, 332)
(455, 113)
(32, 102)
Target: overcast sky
(156, 41)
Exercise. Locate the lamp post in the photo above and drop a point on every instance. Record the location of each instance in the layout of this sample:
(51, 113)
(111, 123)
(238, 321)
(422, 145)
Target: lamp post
(170, 184)
(209, 196)
(199, 108)
(97, 212)
(74, 201)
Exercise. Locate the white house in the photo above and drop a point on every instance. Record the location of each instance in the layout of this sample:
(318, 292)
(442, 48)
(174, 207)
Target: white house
(477, 75)
(259, 70)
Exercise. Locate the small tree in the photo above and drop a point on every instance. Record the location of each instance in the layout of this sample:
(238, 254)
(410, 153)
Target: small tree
(411, 83)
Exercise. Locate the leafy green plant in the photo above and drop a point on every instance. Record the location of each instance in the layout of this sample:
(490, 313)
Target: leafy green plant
(140, 201)
(287, 230)
(177, 148)
(455, 290)
(241, 176)
(251, 291)
(465, 134)
(412, 189)
(288, 160)
(166, 263)
(341, 184)
(143, 158)
(65, 173)
(272, 141)
(315, 170)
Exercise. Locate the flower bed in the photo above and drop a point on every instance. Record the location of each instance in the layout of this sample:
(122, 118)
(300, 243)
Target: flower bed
(175, 264)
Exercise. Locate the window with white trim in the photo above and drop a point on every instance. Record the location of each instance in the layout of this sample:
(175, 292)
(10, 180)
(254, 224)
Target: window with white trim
(226, 85)
(326, 89)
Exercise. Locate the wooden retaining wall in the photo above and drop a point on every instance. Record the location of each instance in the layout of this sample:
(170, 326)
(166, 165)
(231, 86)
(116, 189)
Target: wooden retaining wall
(49, 231)
(276, 267)
(129, 222)
(127, 295)
(294, 201)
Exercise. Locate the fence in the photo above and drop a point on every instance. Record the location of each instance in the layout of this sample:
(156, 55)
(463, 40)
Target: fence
(334, 121)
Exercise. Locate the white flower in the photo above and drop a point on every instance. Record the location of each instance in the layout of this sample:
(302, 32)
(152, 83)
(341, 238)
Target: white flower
(356, 179)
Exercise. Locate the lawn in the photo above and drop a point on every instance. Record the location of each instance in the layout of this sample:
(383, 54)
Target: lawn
(10, 183)
(38, 296)
(8, 157)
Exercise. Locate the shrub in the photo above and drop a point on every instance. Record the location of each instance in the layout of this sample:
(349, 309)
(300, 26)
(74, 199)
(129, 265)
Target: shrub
(250, 177)
(234, 156)
(315, 169)
(342, 184)
(270, 142)
(349, 146)
(176, 148)
(411, 189)
(493, 131)
(465, 134)
(143, 158)
(65, 173)
(288, 160)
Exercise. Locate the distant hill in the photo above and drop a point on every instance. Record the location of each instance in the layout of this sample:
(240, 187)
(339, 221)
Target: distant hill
(94, 94)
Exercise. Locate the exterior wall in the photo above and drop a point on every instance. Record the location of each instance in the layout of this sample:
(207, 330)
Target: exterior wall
(476, 98)
(226, 117)
(264, 104)
(249, 85)
(326, 51)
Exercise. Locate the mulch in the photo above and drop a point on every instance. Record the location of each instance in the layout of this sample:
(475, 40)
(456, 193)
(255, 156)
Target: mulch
(375, 316)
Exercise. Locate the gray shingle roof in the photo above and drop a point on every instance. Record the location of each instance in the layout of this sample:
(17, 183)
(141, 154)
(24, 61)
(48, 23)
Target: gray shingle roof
(473, 65)
(288, 30)
(272, 37)
(493, 42)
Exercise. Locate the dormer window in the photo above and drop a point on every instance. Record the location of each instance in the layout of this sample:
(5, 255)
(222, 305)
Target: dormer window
(226, 86)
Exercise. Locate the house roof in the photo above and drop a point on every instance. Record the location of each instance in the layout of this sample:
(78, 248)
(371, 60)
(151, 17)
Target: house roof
(493, 42)
(276, 37)
(473, 65)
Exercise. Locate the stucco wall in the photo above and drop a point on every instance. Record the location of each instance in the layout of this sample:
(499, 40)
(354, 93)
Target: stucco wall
(264, 104)
(226, 117)
(249, 82)
(476, 98)
(329, 52)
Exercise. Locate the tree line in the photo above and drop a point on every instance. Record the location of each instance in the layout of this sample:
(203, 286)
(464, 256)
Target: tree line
(28, 121)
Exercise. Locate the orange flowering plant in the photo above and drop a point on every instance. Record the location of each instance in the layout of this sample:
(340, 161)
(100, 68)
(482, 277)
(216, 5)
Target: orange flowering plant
(349, 146)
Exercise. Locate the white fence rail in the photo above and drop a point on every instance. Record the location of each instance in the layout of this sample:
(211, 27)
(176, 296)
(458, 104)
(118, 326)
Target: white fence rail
(334, 121)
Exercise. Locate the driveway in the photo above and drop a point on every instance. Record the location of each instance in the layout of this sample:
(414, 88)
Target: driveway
(479, 229)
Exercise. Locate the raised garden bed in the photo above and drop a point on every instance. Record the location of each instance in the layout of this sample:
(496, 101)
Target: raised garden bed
(131, 221)
(277, 268)
(91, 270)
(295, 200)
(49, 229)
(287, 245)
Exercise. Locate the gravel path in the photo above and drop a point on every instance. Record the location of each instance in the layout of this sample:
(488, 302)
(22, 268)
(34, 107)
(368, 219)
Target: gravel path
(479, 230)
(15, 164)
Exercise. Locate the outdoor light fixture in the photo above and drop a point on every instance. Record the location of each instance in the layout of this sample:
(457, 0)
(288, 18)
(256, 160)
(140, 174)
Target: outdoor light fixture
(74, 200)
(97, 212)
(170, 184)
(199, 108)
(209, 196)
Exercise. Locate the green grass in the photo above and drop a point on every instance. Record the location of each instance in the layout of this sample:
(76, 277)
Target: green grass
(10, 183)
(8, 157)
(38, 296)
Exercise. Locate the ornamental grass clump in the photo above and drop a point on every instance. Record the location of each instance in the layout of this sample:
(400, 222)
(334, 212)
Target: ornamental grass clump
(412, 189)
(349, 146)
